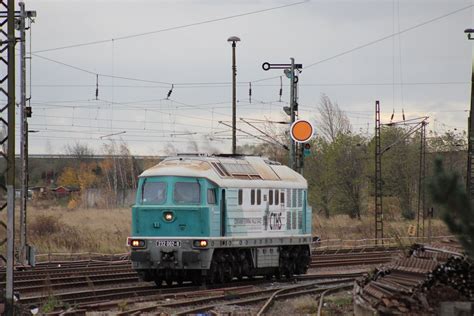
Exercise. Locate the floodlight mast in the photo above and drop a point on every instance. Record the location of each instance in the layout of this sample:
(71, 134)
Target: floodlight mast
(470, 136)
(234, 40)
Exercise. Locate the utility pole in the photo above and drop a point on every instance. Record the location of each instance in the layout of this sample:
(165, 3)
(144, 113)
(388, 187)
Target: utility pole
(430, 217)
(25, 112)
(470, 135)
(234, 39)
(7, 145)
(23, 132)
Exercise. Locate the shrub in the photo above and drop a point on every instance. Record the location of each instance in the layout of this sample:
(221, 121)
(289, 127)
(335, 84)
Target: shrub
(45, 225)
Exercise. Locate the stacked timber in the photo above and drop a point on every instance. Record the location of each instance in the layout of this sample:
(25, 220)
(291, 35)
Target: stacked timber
(416, 284)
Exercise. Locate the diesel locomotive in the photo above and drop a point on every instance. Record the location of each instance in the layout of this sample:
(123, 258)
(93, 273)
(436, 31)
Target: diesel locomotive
(213, 218)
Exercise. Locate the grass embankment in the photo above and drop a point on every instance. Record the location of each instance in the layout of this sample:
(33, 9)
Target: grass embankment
(344, 227)
(57, 229)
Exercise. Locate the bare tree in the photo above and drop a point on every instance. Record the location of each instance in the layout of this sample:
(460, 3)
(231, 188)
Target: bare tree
(79, 150)
(333, 120)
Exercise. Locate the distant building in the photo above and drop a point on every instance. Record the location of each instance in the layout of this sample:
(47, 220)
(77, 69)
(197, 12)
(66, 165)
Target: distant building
(63, 191)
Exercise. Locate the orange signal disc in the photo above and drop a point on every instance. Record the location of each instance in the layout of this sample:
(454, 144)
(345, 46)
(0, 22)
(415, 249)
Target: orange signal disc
(301, 131)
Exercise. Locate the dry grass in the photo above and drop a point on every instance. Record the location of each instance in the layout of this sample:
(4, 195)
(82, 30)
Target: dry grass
(344, 227)
(304, 305)
(58, 229)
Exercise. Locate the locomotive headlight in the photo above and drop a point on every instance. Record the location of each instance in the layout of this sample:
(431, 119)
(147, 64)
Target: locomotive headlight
(200, 243)
(137, 243)
(168, 216)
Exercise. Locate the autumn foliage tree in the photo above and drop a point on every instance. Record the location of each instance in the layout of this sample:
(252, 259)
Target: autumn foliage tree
(83, 177)
(340, 169)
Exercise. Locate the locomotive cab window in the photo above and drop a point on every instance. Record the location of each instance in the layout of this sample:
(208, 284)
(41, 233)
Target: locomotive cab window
(153, 192)
(187, 193)
(211, 196)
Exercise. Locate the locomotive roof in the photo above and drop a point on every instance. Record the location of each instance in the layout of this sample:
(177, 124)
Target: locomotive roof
(230, 171)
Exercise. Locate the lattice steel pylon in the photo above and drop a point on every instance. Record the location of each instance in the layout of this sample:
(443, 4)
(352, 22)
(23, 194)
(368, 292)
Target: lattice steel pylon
(378, 178)
(7, 142)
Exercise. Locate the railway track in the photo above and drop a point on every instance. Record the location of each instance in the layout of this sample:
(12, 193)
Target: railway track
(142, 289)
(50, 280)
(348, 259)
(186, 300)
(97, 283)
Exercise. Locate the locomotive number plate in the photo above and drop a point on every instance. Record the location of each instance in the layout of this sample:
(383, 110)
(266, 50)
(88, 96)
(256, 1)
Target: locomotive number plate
(168, 243)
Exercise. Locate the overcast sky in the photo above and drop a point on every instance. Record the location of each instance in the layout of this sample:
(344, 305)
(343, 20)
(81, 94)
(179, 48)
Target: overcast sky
(425, 70)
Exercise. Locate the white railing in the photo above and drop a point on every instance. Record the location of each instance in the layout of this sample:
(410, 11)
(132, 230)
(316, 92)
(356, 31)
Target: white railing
(388, 242)
(89, 256)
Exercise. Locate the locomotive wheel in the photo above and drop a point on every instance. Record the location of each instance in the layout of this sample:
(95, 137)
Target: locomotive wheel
(235, 269)
(303, 262)
(158, 279)
(220, 273)
(169, 277)
(278, 274)
(211, 277)
(290, 271)
(286, 264)
(218, 268)
(197, 278)
(239, 272)
(146, 275)
(245, 267)
(228, 272)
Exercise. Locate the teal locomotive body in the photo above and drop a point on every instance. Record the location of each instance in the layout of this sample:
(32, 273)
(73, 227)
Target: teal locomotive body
(213, 218)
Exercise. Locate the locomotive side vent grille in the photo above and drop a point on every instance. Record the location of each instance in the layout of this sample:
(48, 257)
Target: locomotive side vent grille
(293, 197)
(288, 197)
(300, 197)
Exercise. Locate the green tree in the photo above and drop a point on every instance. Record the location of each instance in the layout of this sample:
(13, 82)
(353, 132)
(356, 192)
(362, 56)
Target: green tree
(347, 160)
(400, 167)
(448, 192)
(320, 177)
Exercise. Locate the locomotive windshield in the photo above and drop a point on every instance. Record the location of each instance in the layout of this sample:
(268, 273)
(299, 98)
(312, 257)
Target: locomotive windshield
(153, 192)
(187, 193)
